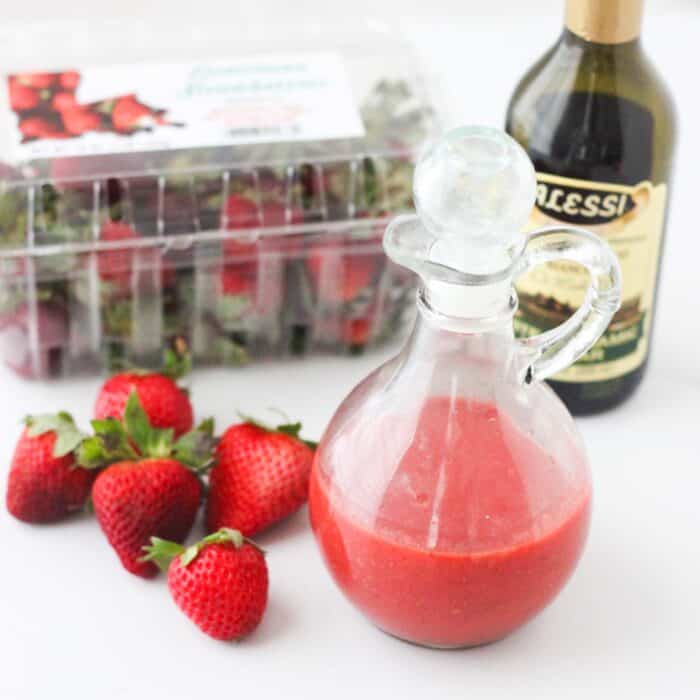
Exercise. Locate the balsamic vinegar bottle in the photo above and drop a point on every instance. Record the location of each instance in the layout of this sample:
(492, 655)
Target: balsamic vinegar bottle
(599, 126)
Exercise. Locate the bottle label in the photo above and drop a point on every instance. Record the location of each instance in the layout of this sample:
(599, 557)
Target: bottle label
(94, 110)
(631, 220)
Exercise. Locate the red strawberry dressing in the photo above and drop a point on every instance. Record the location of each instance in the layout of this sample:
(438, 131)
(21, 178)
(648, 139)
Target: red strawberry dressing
(472, 532)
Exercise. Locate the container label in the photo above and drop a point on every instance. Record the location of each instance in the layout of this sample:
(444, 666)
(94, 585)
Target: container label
(631, 220)
(155, 107)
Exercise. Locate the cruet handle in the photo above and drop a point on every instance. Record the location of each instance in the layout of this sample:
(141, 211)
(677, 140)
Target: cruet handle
(550, 352)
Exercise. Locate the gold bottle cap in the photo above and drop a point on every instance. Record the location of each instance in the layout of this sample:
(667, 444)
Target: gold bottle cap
(605, 21)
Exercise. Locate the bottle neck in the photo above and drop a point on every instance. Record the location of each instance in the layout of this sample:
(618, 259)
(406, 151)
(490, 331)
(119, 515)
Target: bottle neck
(446, 345)
(604, 21)
(466, 304)
(498, 319)
(598, 62)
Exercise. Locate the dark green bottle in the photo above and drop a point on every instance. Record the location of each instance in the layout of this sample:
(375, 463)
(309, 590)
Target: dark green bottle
(599, 126)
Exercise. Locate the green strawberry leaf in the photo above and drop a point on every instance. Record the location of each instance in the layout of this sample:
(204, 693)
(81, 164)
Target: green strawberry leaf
(91, 453)
(68, 436)
(136, 421)
(207, 426)
(109, 444)
(196, 448)
(67, 441)
(151, 442)
(113, 435)
(292, 430)
(162, 552)
(225, 534)
(134, 438)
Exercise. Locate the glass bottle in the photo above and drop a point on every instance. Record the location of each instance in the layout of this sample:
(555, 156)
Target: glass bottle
(599, 125)
(450, 494)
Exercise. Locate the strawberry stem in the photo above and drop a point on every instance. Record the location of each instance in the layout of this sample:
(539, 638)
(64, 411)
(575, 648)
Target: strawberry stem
(151, 442)
(134, 438)
(162, 552)
(177, 359)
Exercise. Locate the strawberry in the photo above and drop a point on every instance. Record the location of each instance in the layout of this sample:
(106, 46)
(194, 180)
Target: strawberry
(241, 254)
(22, 97)
(115, 266)
(340, 277)
(149, 487)
(236, 280)
(63, 101)
(129, 115)
(79, 119)
(134, 500)
(69, 80)
(237, 293)
(356, 332)
(241, 212)
(239, 275)
(275, 213)
(220, 583)
(36, 80)
(45, 484)
(33, 128)
(165, 403)
(261, 476)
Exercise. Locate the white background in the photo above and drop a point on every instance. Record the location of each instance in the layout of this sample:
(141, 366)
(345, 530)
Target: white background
(74, 625)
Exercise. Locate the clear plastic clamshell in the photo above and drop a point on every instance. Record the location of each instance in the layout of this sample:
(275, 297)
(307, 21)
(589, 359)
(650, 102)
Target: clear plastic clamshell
(226, 201)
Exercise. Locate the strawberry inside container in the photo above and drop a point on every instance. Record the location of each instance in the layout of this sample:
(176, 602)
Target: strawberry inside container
(230, 205)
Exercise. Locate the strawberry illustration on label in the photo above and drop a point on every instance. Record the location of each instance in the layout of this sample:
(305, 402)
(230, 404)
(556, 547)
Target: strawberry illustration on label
(69, 80)
(22, 97)
(48, 108)
(130, 115)
(37, 80)
(79, 119)
(34, 128)
(63, 100)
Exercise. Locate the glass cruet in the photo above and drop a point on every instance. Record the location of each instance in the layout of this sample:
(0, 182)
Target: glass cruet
(450, 494)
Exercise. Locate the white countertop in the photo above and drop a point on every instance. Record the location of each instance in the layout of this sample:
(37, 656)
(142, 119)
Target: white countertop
(73, 624)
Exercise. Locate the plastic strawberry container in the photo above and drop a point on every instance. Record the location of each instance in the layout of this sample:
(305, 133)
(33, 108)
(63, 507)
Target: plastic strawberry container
(228, 204)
